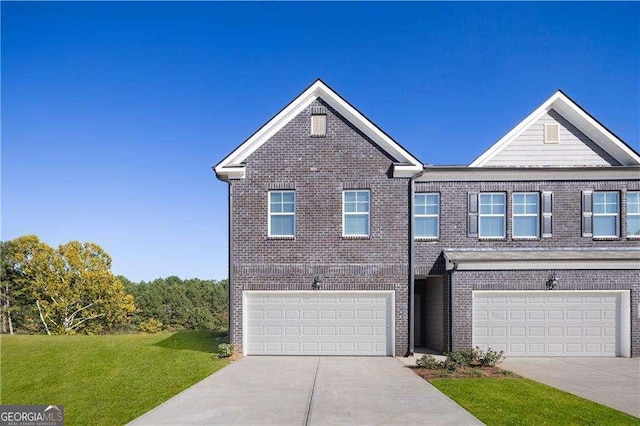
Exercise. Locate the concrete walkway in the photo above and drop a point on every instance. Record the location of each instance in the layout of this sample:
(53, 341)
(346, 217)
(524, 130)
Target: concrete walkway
(614, 382)
(311, 391)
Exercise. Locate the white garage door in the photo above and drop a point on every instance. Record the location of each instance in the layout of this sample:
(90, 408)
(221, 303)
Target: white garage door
(318, 323)
(552, 323)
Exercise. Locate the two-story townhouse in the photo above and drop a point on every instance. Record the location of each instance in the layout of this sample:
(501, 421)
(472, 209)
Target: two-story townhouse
(343, 243)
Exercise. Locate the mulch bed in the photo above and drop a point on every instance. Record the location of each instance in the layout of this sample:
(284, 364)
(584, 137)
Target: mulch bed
(236, 356)
(465, 373)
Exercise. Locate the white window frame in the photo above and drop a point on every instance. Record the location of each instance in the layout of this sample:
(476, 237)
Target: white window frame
(545, 133)
(632, 214)
(594, 215)
(345, 214)
(514, 216)
(437, 216)
(502, 215)
(270, 213)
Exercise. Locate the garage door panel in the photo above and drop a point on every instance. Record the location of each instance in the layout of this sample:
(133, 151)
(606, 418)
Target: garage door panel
(327, 324)
(558, 324)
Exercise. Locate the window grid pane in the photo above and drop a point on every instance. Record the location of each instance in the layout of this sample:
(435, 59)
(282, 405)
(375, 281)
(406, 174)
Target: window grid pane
(633, 214)
(492, 215)
(282, 206)
(426, 215)
(526, 223)
(356, 213)
(605, 214)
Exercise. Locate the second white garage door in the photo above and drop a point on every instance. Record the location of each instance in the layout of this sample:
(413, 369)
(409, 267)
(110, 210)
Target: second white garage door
(552, 323)
(318, 323)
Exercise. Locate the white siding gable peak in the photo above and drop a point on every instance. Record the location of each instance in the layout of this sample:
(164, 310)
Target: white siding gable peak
(232, 167)
(570, 111)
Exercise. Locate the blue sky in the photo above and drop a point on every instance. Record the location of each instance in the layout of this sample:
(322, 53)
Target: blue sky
(113, 113)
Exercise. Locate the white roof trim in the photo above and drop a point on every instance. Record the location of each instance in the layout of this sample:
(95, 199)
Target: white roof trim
(317, 90)
(514, 259)
(584, 122)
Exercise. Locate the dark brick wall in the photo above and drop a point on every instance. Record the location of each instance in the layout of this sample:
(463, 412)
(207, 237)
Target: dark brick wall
(465, 282)
(319, 169)
(567, 233)
(567, 205)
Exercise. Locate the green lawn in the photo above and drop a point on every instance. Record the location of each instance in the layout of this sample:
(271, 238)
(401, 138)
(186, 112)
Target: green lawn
(104, 379)
(525, 402)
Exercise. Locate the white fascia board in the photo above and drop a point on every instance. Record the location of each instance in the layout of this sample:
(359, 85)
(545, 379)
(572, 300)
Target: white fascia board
(368, 128)
(516, 265)
(406, 171)
(515, 132)
(593, 126)
(230, 172)
(316, 90)
(559, 102)
(512, 174)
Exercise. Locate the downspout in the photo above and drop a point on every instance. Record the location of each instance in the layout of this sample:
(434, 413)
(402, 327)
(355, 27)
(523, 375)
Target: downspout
(230, 251)
(230, 267)
(451, 305)
(412, 274)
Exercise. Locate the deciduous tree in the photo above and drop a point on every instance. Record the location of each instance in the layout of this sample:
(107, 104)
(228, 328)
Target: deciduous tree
(72, 286)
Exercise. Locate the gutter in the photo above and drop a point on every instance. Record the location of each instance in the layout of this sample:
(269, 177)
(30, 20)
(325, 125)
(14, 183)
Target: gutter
(230, 278)
(451, 302)
(412, 275)
(230, 250)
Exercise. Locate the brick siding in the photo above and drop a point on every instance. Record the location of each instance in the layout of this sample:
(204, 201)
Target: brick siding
(466, 281)
(567, 233)
(318, 169)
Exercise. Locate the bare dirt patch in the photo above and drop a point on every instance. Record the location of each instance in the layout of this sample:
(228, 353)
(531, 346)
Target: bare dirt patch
(465, 373)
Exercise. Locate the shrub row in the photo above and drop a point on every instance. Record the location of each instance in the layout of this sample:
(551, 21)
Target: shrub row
(467, 358)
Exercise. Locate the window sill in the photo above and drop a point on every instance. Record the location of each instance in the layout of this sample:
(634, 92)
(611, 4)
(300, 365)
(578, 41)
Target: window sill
(281, 237)
(492, 239)
(633, 237)
(356, 237)
(318, 136)
(606, 238)
(427, 239)
(525, 238)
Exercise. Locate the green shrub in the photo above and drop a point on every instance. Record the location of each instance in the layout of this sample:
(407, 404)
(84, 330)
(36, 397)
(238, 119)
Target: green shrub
(465, 358)
(490, 358)
(450, 365)
(225, 350)
(429, 362)
(151, 325)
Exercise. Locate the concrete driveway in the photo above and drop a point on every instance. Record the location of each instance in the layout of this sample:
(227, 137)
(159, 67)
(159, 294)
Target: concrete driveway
(614, 382)
(310, 391)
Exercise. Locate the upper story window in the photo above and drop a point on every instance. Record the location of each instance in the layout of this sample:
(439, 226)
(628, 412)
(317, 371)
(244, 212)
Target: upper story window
(426, 209)
(633, 214)
(492, 215)
(526, 221)
(605, 214)
(282, 213)
(355, 213)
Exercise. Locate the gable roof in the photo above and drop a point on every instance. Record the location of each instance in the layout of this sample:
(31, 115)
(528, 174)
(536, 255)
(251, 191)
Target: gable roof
(577, 116)
(232, 166)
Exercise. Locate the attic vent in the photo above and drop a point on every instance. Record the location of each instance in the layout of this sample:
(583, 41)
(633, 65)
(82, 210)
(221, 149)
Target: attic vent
(318, 110)
(318, 121)
(551, 133)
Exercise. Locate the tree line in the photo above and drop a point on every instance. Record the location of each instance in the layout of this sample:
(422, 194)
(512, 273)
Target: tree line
(71, 290)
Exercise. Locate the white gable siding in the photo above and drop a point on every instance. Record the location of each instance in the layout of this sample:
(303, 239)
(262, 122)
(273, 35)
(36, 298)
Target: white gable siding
(573, 149)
